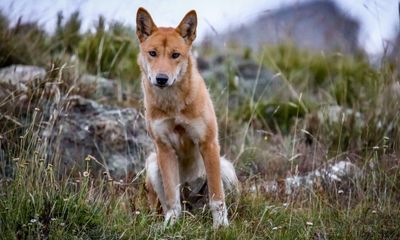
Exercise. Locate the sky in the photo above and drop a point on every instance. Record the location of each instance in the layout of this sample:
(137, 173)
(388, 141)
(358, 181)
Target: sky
(379, 19)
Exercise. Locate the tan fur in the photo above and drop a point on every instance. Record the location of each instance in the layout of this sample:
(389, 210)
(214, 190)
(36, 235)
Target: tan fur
(180, 117)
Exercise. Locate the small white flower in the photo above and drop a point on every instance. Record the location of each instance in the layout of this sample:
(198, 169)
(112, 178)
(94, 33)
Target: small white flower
(33, 220)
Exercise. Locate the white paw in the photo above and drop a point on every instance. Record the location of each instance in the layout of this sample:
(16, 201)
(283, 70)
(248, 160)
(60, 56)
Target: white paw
(219, 214)
(172, 216)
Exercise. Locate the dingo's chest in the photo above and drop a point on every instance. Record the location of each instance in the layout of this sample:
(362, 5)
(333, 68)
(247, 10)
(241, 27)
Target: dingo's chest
(177, 130)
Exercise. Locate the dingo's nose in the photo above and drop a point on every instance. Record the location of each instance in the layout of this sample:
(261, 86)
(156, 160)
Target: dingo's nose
(162, 79)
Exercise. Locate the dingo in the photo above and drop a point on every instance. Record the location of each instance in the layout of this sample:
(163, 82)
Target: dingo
(180, 119)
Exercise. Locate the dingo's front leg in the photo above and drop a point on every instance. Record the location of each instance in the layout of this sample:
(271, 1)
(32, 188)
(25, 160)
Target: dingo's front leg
(169, 169)
(210, 152)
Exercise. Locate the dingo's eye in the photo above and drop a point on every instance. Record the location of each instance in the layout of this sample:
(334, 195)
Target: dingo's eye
(175, 55)
(153, 53)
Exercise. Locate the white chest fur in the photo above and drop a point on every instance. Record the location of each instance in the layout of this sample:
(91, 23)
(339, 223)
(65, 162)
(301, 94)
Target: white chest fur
(184, 135)
(165, 129)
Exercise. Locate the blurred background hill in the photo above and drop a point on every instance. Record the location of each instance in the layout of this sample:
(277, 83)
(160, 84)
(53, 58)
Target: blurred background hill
(316, 25)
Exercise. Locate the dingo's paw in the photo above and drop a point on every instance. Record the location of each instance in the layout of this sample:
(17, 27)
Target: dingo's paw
(219, 214)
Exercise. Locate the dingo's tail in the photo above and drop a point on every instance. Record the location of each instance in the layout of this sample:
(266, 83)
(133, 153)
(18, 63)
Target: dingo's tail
(228, 175)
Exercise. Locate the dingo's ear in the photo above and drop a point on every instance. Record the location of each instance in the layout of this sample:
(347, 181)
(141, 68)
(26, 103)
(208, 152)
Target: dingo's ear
(187, 27)
(144, 24)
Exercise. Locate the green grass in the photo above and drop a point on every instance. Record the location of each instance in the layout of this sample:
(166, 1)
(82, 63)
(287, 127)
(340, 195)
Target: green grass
(35, 205)
(268, 138)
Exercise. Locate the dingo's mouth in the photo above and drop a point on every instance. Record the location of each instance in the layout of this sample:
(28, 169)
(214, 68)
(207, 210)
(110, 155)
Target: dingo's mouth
(161, 85)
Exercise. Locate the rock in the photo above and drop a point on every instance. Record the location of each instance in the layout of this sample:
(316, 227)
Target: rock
(250, 70)
(117, 138)
(75, 127)
(15, 78)
(19, 77)
(338, 114)
(202, 63)
(257, 79)
(249, 78)
(220, 59)
(340, 172)
(104, 87)
(21, 74)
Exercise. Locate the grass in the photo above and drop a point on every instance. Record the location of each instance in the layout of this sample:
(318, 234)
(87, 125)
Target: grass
(268, 138)
(35, 205)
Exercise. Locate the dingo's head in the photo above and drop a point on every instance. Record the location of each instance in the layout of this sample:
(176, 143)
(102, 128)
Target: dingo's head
(164, 52)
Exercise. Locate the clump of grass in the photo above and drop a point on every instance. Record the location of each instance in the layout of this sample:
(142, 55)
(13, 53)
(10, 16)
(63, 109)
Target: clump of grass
(67, 36)
(25, 43)
(110, 53)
